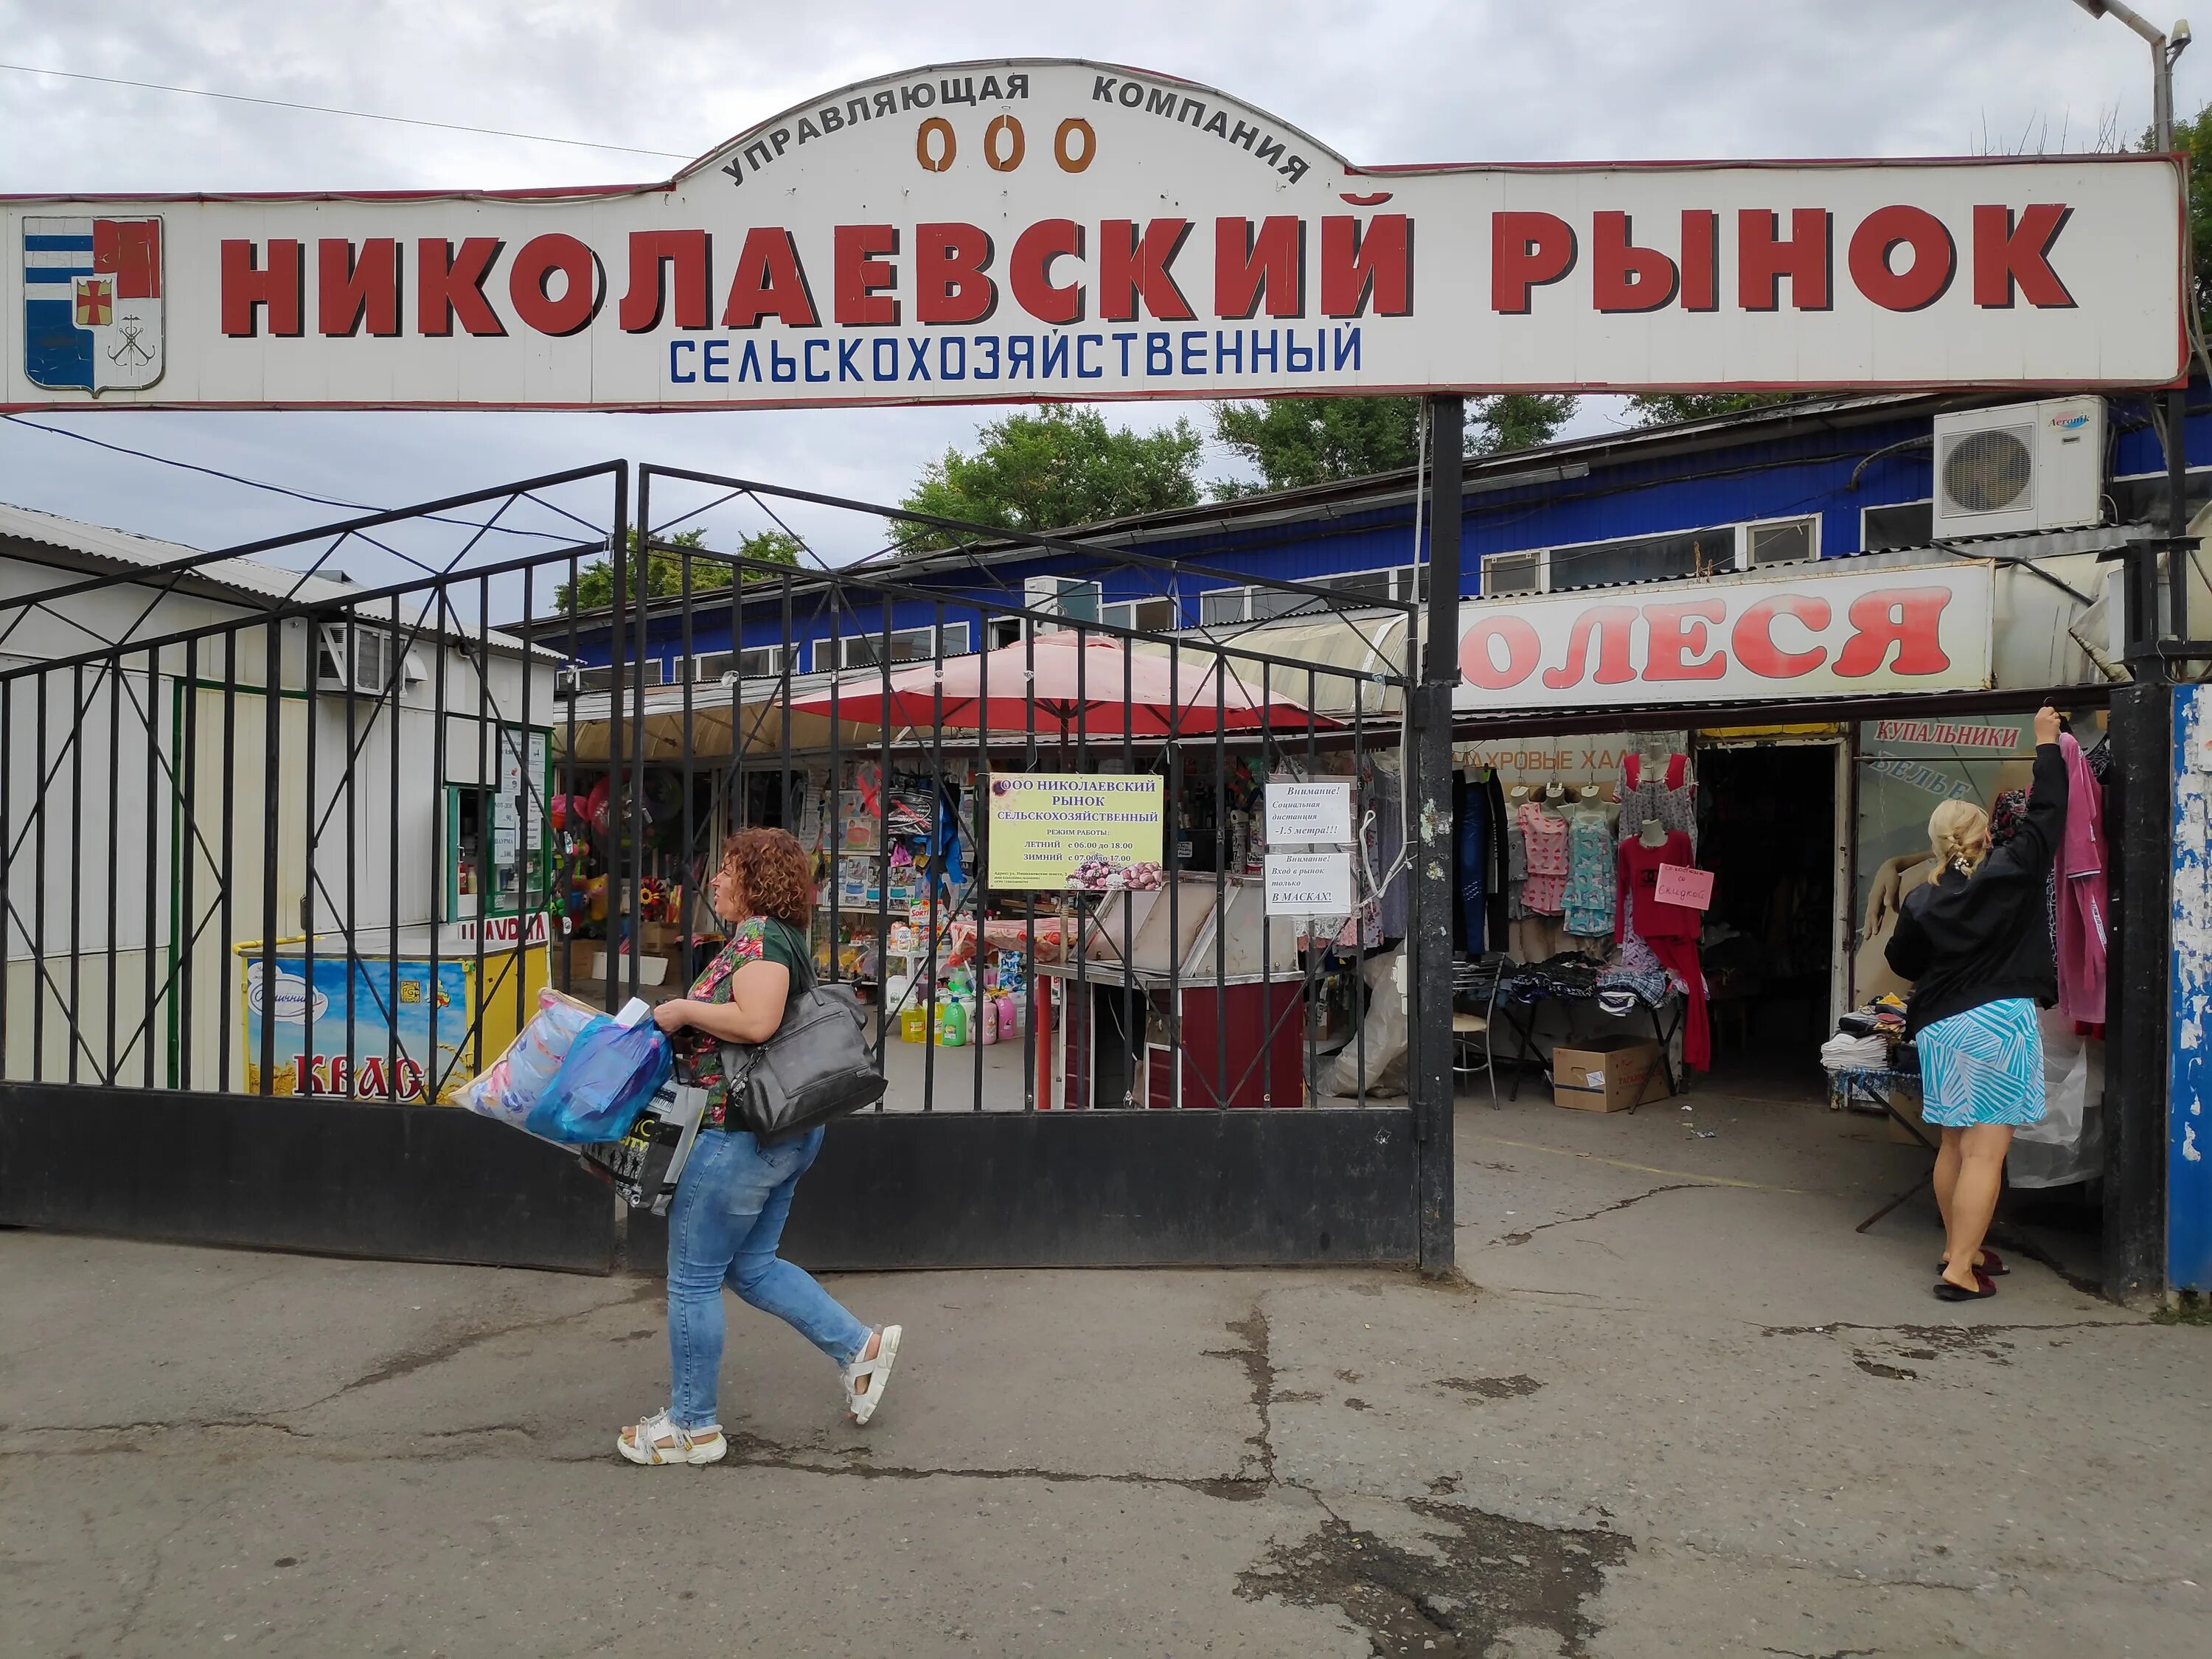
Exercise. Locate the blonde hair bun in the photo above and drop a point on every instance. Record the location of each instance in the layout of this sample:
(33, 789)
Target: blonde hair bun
(1959, 832)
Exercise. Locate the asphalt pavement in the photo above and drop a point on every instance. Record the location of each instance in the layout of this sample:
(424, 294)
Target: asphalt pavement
(1678, 1407)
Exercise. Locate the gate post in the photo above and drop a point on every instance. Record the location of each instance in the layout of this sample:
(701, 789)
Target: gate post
(1430, 844)
(2137, 1095)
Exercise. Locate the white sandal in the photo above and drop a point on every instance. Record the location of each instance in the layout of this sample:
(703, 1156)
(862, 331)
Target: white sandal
(656, 1441)
(874, 1372)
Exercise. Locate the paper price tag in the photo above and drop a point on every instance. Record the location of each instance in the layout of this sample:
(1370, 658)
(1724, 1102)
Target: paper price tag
(1680, 884)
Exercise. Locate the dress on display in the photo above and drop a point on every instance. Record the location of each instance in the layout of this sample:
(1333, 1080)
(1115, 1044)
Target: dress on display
(1590, 865)
(1670, 930)
(1668, 798)
(2082, 906)
(1545, 838)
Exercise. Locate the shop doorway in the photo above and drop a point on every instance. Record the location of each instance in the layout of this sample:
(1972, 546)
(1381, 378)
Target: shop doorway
(1770, 830)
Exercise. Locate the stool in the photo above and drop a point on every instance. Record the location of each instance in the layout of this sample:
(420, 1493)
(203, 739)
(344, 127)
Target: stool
(1466, 1029)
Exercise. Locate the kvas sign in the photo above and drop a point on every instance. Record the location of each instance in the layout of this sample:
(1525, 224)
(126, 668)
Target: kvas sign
(1868, 632)
(1036, 229)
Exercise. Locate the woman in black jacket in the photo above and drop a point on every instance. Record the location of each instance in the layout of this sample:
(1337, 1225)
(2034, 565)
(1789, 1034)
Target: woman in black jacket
(1976, 944)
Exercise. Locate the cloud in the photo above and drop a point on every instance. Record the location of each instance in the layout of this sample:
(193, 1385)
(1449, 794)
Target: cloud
(1567, 80)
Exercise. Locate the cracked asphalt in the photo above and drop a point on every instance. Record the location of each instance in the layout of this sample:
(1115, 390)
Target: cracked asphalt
(1680, 1407)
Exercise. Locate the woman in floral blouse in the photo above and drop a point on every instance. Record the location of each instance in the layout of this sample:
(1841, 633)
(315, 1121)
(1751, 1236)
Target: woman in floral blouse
(735, 1194)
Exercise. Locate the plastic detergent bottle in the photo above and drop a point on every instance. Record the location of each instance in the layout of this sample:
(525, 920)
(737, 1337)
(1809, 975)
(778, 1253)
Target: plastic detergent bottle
(984, 1028)
(955, 1033)
(914, 1023)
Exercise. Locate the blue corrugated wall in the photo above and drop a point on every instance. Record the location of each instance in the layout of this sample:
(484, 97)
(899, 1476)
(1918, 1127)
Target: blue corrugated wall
(1759, 477)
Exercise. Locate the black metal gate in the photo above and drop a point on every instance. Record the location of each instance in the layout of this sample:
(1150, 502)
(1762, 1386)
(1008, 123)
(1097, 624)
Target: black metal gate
(290, 859)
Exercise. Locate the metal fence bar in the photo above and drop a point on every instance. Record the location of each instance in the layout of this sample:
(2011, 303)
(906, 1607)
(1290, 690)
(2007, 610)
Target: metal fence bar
(76, 869)
(633, 898)
(229, 857)
(153, 800)
(443, 826)
(39, 897)
(271, 781)
(7, 863)
(491, 740)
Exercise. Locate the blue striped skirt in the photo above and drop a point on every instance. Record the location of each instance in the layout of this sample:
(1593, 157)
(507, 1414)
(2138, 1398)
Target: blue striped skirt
(1984, 1065)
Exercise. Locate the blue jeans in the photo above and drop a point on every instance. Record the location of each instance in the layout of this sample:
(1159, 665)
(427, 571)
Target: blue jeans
(731, 1204)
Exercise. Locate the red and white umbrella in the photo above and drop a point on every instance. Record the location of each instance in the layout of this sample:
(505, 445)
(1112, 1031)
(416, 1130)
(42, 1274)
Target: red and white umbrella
(1062, 684)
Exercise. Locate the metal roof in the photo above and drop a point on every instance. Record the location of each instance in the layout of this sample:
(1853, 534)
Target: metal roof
(102, 545)
(100, 542)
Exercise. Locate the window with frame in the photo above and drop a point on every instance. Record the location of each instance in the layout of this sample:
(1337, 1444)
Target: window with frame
(1070, 597)
(1670, 557)
(1781, 541)
(1368, 584)
(1244, 604)
(368, 660)
(1513, 572)
(763, 662)
(907, 645)
(602, 677)
(1905, 523)
(1141, 616)
(1223, 604)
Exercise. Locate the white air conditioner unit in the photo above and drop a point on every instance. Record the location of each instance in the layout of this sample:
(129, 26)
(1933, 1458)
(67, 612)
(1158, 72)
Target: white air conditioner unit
(2024, 466)
(1060, 596)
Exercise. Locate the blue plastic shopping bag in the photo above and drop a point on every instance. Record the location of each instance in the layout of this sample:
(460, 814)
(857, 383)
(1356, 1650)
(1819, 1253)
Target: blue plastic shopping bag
(609, 1075)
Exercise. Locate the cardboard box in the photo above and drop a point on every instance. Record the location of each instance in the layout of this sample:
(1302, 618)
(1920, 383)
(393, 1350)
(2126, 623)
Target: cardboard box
(1609, 1075)
(651, 969)
(661, 935)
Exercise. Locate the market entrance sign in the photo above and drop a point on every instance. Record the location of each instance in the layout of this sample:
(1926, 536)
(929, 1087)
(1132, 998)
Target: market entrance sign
(1867, 633)
(1012, 230)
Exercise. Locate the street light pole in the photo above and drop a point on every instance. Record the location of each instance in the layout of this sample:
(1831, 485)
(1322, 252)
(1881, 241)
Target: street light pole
(2137, 1082)
(2163, 51)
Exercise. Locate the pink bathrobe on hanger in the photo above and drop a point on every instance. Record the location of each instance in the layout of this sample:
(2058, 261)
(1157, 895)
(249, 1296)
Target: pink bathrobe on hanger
(2082, 903)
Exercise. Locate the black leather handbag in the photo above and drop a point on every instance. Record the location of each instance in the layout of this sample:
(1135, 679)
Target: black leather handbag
(816, 1067)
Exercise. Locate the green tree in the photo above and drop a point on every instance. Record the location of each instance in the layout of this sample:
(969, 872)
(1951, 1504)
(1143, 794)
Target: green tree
(1056, 467)
(1293, 442)
(1665, 408)
(2193, 138)
(594, 588)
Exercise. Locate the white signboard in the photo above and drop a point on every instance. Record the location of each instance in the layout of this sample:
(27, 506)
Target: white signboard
(1012, 230)
(1309, 812)
(1309, 885)
(1925, 629)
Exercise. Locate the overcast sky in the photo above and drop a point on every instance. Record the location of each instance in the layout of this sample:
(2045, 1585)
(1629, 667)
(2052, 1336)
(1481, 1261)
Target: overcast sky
(1460, 81)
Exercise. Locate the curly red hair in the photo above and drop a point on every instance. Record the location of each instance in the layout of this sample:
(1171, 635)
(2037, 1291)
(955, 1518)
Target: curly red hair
(774, 873)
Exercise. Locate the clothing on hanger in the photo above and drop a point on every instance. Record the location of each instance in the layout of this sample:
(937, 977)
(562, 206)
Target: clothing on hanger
(2083, 903)
(1588, 905)
(1671, 931)
(1668, 798)
(1545, 836)
(1470, 845)
(1517, 865)
(1496, 858)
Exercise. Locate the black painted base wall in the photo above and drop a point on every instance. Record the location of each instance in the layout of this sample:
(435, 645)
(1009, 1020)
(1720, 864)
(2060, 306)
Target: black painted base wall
(398, 1183)
(949, 1190)
(1098, 1189)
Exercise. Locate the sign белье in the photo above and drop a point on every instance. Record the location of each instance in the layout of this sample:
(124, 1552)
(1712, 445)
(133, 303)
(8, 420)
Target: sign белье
(1021, 229)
